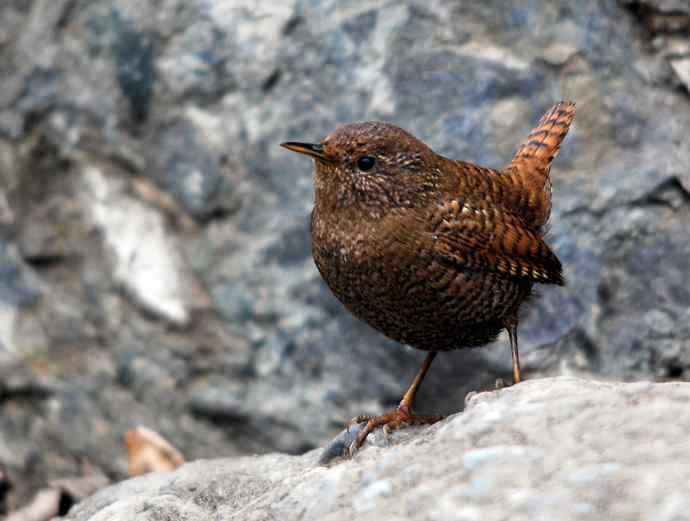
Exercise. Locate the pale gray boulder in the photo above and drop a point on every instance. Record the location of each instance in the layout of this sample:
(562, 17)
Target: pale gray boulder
(556, 448)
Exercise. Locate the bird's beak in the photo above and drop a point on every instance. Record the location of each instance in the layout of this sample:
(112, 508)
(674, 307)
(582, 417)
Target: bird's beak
(309, 149)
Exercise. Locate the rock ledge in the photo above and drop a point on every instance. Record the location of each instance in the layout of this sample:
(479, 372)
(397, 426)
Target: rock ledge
(555, 448)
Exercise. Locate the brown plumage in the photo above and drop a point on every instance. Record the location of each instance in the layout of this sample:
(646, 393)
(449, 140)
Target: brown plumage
(435, 253)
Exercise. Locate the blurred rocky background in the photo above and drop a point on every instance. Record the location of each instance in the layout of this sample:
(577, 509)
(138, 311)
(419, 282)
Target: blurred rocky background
(155, 262)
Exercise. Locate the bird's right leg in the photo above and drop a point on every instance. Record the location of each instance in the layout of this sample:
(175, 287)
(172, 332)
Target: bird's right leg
(512, 335)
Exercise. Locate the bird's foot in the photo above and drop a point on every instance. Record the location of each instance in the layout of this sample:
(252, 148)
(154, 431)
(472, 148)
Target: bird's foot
(398, 418)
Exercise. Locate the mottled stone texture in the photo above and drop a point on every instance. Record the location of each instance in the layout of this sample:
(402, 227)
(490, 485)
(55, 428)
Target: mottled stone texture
(155, 264)
(555, 448)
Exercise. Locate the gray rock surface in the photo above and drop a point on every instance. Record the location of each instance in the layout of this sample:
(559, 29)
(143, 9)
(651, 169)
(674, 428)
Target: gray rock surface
(154, 249)
(557, 448)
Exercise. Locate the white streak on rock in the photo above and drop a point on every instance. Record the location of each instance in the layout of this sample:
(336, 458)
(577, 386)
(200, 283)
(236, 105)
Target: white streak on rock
(146, 260)
(7, 320)
(681, 67)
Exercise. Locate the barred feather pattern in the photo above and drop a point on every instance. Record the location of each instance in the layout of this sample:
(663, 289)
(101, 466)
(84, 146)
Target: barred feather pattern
(529, 170)
(435, 253)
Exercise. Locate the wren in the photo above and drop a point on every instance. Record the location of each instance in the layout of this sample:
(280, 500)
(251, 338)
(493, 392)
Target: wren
(433, 252)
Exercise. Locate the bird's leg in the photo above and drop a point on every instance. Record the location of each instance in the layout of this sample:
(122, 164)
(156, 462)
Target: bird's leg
(512, 334)
(402, 415)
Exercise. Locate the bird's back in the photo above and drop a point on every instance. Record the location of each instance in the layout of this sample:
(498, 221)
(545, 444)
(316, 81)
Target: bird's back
(494, 220)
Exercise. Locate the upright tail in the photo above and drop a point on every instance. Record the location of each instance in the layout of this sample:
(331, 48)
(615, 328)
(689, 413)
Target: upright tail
(529, 169)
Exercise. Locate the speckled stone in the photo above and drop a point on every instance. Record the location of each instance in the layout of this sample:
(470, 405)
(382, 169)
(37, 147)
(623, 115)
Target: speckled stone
(556, 448)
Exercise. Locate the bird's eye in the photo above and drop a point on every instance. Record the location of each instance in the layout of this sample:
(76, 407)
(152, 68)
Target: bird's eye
(365, 163)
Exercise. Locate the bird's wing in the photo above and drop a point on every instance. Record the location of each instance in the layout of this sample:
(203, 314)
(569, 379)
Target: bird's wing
(490, 239)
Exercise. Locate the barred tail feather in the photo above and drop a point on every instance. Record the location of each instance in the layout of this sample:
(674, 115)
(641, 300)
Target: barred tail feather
(529, 169)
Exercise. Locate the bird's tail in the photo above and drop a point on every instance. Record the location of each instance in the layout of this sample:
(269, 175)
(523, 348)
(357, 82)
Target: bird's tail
(529, 169)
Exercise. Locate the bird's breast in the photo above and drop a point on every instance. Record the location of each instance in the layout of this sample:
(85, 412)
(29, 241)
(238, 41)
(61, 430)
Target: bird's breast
(385, 273)
(340, 243)
(363, 261)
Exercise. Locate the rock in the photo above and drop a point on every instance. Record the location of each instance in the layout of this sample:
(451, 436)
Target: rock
(5, 492)
(150, 452)
(156, 259)
(150, 270)
(681, 66)
(58, 498)
(661, 16)
(556, 448)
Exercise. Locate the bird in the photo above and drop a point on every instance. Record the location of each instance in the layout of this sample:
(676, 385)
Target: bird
(435, 253)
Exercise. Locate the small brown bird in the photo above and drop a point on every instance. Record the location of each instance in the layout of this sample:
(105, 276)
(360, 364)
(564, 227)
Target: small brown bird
(435, 253)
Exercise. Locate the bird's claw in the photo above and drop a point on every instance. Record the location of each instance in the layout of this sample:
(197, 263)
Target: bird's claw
(357, 420)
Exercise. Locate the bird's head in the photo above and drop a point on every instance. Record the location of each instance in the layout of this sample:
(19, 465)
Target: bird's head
(371, 164)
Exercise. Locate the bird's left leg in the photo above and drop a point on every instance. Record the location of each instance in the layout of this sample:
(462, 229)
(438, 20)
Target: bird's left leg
(400, 417)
